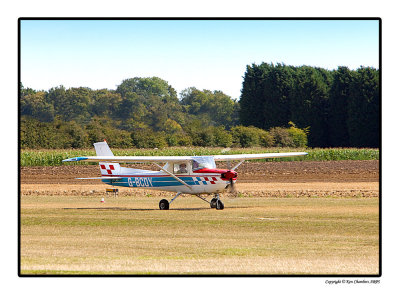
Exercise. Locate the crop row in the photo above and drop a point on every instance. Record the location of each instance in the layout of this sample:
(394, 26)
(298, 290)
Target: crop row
(55, 157)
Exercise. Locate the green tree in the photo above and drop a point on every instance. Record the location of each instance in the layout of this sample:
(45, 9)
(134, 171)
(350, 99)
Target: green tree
(105, 128)
(56, 134)
(281, 137)
(178, 139)
(276, 94)
(105, 103)
(212, 108)
(148, 139)
(265, 99)
(146, 86)
(72, 104)
(25, 91)
(339, 98)
(364, 108)
(151, 101)
(245, 136)
(222, 138)
(35, 105)
(310, 103)
(252, 98)
(297, 135)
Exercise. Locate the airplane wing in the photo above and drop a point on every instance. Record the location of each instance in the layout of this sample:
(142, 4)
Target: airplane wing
(131, 158)
(256, 156)
(155, 159)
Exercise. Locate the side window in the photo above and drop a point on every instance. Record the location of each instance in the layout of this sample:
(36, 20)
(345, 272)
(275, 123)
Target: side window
(180, 168)
(195, 165)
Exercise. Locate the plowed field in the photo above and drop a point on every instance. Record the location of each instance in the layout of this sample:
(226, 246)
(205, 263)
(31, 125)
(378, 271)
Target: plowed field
(326, 171)
(272, 179)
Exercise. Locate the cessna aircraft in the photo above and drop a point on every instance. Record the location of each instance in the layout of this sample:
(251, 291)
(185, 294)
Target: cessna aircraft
(194, 175)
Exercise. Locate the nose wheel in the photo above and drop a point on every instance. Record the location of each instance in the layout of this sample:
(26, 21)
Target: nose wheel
(216, 203)
(213, 203)
(220, 205)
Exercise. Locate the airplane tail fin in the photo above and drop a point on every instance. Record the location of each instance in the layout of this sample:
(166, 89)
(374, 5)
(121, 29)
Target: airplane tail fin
(102, 149)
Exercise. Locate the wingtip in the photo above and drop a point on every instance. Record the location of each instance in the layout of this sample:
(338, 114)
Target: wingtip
(74, 159)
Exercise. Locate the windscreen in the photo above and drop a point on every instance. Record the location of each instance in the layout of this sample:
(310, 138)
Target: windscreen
(203, 162)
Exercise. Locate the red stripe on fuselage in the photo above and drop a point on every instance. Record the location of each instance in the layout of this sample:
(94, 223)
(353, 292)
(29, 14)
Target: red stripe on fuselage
(225, 173)
(218, 171)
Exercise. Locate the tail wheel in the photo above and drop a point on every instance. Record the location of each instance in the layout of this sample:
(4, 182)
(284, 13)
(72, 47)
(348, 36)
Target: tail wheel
(213, 203)
(164, 204)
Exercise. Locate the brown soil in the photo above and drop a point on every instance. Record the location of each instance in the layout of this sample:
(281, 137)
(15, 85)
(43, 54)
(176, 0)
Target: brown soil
(272, 179)
(307, 171)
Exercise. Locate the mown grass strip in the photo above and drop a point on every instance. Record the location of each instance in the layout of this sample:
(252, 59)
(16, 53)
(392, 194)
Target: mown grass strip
(54, 157)
(253, 235)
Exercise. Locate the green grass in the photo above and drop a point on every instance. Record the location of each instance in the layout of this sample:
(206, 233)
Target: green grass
(79, 235)
(54, 157)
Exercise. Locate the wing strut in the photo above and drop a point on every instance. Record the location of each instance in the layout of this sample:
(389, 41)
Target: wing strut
(176, 177)
(234, 168)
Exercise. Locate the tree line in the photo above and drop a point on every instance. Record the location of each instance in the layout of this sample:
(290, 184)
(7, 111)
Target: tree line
(340, 108)
(59, 134)
(279, 106)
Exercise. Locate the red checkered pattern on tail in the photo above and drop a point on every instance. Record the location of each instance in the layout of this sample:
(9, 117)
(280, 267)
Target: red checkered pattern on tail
(108, 169)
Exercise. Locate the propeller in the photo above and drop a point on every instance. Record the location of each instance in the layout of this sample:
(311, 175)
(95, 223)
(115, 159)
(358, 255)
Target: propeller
(230, 175)
(231, 187)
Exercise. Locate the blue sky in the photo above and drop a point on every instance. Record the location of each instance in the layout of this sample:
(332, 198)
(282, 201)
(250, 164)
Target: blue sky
(206, 54)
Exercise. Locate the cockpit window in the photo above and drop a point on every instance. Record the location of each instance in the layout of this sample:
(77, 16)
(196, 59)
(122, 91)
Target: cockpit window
(180, 168)
(203, 162)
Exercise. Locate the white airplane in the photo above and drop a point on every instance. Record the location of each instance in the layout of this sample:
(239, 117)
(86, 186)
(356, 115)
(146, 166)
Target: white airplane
(194, 175)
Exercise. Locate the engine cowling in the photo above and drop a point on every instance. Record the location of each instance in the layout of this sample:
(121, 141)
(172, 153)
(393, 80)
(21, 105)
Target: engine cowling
(229, 175)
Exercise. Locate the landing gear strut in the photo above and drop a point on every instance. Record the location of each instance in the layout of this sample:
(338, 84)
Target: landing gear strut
(164, 204)
(214, 203)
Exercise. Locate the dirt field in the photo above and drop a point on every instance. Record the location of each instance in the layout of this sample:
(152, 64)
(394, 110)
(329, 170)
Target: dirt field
(306, 171)
(272, 179)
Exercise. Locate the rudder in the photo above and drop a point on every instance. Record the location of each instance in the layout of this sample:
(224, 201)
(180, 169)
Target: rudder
(102, 149)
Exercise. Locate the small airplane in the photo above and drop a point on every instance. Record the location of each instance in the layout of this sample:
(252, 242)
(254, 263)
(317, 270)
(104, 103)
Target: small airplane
(194, 175)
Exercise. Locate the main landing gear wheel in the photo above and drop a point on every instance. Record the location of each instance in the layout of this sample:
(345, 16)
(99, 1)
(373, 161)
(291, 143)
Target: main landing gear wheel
(219, 204)
(213, 203)
(164, 204)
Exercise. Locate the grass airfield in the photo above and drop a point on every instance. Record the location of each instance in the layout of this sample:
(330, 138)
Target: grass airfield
(76, 235)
